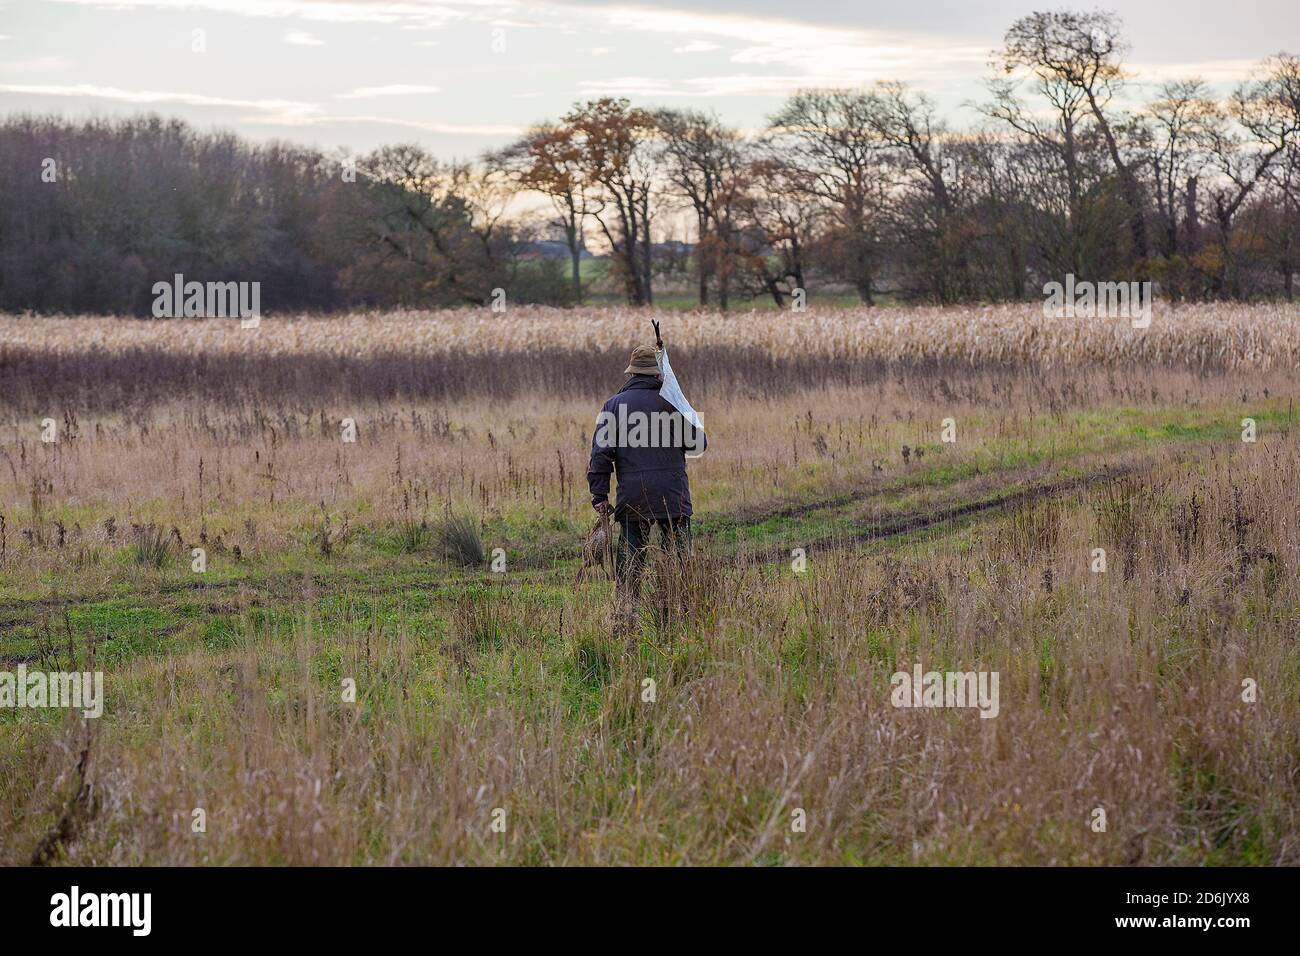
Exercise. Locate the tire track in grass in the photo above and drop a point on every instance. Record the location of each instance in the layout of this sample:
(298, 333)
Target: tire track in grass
(283, 588)
(959, 511)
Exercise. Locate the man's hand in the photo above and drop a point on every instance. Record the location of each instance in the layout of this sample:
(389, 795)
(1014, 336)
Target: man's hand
(602, 508)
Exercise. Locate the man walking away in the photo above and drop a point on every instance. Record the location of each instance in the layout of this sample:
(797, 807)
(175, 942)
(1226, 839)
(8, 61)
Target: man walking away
(643, 439)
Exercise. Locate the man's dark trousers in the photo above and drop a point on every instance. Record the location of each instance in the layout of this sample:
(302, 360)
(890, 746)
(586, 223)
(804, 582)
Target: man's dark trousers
(633, 539)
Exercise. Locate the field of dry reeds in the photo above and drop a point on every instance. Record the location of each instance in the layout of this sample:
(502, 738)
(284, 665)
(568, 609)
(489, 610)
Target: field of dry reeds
(97, 362)
(839, 540)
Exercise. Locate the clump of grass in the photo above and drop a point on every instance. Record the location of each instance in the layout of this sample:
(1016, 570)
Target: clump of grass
(459, 539)
(151, 547)
(478, 625)
(687, 590)
(592, 659)
(1123, 510)
(485, 621)
(1116, 510)
(413, 536)
(1034, 529)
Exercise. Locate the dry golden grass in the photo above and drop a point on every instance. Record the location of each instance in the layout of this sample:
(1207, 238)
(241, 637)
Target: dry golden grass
(1118, 691)
(479, 691)
(264, 476)
(1247, 336)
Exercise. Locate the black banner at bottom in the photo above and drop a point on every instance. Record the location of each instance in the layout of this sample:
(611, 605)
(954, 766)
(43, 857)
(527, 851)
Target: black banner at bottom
(333, 906)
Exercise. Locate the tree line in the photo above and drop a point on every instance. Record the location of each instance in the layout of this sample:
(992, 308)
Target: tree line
(868, 190)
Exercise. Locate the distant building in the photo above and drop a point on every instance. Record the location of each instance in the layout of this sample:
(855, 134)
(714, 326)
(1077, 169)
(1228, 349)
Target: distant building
(671, 249)
(549, 249)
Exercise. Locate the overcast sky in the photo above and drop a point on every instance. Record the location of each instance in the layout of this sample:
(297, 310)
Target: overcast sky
(464, 75)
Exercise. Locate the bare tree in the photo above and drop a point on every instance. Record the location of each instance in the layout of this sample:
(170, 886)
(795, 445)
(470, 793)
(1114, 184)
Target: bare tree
(440, 218)
(1082, 52)
(1287, 243)
(1260, 123)
(702, 160)
(926, 208)
(618, 158)
(1180, 117)
(778, 225)
(827, 136)
(549, 160)
(1059, 137)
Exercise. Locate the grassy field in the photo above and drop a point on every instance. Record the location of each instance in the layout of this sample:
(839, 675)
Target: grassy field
(840, 539)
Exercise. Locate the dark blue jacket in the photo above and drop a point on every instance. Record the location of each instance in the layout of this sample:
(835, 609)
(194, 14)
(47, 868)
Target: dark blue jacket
(651, 470)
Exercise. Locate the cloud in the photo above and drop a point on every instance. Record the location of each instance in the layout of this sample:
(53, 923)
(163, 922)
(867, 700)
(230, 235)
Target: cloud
(627, 86)
(451, 129)
(696, 46)
(1212, 71)
(397, 89)
(723, 85)
(263, 112)
(811, 54)
(286, 111)
(38, 64)
(735, 55)
(814, 55)
(741, 84)
(800, 46)
(427, 13)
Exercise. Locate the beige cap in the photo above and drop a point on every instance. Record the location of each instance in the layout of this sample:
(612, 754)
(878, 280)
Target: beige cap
(644, 361)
